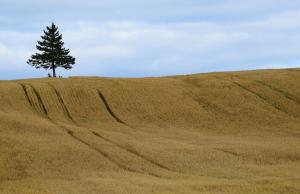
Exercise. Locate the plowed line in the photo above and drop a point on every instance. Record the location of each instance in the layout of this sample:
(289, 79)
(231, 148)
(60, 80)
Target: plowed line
(285, 94)
(132, 151)
(103, 99)
(108, 107)
(228, 152)
(40, 101)
(62, 104)
(26, 94)
(259, 96)
(208, 106)
(71, 134)
(104, 154)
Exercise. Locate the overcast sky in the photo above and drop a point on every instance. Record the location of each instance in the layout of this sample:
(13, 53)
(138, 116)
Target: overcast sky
(137, 38)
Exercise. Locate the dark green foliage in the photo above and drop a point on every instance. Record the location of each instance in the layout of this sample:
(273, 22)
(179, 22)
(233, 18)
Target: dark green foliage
(52, 52)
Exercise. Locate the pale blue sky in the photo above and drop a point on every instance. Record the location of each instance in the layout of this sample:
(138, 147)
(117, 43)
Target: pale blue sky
(136, 38)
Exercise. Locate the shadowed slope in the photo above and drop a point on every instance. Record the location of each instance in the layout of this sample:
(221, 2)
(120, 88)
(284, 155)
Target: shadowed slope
(209, 133)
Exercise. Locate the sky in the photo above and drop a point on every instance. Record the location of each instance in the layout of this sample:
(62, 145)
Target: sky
(141, 38)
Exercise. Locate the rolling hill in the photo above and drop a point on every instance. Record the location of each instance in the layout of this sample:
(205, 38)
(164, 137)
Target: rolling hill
(235, 132)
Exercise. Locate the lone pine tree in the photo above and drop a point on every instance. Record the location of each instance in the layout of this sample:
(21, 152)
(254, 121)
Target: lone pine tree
(52, 52)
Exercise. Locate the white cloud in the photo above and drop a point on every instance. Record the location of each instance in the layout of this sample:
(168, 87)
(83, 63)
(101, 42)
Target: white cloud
(138, 47)
(282, 21)
(103, 52)
(13, 58)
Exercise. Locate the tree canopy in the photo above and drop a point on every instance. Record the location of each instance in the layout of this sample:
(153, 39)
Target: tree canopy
(52, 52)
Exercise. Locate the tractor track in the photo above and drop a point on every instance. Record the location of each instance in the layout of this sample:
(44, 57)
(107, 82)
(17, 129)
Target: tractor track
(40, 110)
(104, 154)
(258, 96)
(206, 105)
(40, 101)
(72, 134)
(26, 94)
(62, 104)
(229, 152)
(103, 99)
(132, 152)
(283, 93)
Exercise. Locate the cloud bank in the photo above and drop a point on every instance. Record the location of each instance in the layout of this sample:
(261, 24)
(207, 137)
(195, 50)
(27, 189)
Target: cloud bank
(140, 38)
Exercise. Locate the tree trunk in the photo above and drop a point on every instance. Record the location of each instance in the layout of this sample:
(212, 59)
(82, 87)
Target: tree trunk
(53, 69)
(54, 74)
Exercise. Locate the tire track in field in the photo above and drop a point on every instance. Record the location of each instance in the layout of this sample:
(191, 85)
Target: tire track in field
(26, 94)
(284, 93)
(40, 110)
(73, 136)
(104, 154)
(206, 105)
(211, 107)
(62, 104)
(258, 95)
(132, 152)
(103, 99)
(40, 101)
(229, 152)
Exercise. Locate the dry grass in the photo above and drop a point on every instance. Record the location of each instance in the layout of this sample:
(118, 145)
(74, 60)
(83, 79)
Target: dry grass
(210, 133)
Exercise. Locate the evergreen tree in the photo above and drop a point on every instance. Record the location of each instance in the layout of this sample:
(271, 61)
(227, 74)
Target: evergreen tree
(52, 52)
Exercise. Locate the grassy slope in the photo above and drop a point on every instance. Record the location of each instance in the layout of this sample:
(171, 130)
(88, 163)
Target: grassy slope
(212, 133)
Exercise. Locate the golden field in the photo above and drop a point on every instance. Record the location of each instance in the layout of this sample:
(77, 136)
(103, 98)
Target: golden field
(235, 132)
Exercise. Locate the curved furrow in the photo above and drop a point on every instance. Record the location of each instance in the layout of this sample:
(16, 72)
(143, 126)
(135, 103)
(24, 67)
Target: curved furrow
(133, 152)
(40, 109)
(211, 107)
(40, 101)
(26, 94)
(284, 93)
(104, 154)
(228, 152)
(259, 96)
(103, 99)
(73, 136)
(206, 105)
(62, 104)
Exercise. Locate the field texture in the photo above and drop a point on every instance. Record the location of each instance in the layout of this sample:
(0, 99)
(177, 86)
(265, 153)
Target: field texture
(215, 133)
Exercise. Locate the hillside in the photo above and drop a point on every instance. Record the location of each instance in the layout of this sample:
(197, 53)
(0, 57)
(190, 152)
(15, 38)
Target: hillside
(234, 132)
